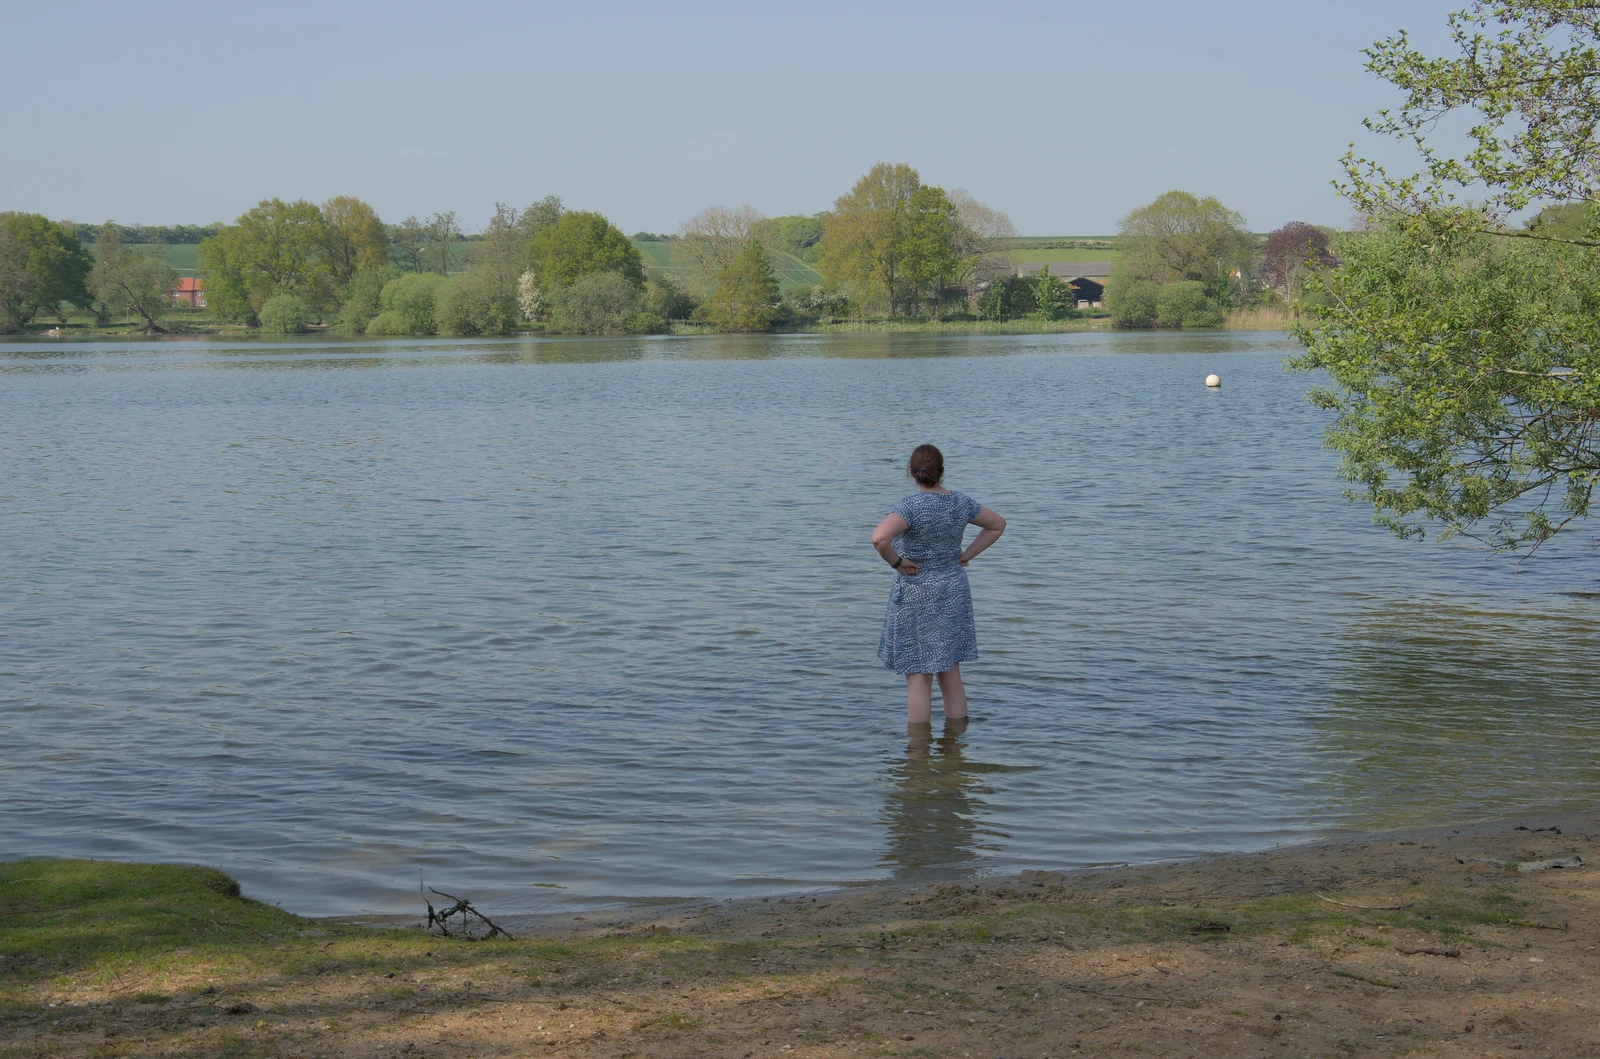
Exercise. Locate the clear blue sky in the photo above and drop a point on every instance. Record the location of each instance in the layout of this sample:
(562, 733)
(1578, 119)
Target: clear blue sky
(1065, 115)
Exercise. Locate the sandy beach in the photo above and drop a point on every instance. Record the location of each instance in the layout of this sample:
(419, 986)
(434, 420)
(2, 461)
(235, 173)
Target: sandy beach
(1458, 941)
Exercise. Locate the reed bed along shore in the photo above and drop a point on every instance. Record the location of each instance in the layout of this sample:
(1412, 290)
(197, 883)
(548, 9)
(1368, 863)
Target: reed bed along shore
(979, 327)
(1452, 942)
(1258, 320)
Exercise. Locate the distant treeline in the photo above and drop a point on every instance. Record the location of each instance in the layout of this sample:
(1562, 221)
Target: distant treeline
(891, 246)
(170, 234)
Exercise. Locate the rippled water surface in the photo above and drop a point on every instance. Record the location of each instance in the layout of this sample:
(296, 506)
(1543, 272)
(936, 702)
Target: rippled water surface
(565, 621)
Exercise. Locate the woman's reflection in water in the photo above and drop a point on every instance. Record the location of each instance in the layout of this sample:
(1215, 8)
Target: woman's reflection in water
(932, 815)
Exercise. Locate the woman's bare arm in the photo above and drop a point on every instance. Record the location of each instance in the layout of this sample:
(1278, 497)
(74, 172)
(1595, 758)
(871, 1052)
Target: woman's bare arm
(992, 524)
(883, 540)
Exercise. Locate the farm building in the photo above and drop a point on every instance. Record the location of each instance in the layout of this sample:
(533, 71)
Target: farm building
(187, 292)
(1086, 278)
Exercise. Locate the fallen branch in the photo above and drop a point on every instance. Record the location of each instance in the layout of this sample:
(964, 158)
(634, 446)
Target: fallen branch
(1366, 908)
(1342, 973)
(1119, 996)
(1427, 950)
(1536, 926)
(463, 908)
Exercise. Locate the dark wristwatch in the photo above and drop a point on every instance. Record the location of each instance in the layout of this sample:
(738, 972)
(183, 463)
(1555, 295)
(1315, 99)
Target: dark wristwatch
(896, 564)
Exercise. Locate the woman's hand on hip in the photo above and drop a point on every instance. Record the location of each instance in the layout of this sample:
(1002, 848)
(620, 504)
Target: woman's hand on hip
(908, 567)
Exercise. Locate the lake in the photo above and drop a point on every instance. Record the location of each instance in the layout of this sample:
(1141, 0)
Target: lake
(562, 623)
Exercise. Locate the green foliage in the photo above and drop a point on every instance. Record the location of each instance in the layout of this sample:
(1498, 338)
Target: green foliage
(276, 248)
(647, 323)
(1566, 222)
(407, 242)
(799, 234)
(825, 303)
(1466, 376)
(1186, 305)
(227, 281)
(1053, 299)
(1014, 297)
(1138, 303)
(363, 298)
(539, 216)
(388, 324)
(931, 261)
(594, 303)
(995, 303)
(744, 295)
(1179, 237)
(892, 237)
(407, 305)
(486, 299)
(353, 239)
(1525, 77)
(668, 300)
(285, 314)
(135, 278)
(581, 243)
(477, 303)
(1461, 349)
(42, 264)
(1132, 302)
(155, 234)
(808, 305)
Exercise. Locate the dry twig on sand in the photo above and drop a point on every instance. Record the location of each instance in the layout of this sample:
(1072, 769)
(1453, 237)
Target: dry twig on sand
(1366, 908)
(1367, 978)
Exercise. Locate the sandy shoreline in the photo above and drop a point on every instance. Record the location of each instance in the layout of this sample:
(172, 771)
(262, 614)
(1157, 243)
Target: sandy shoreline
(1422, 942)
(876, 892)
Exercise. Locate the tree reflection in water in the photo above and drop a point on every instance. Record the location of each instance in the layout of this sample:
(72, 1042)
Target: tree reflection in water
(935, 807)
(1444, 713)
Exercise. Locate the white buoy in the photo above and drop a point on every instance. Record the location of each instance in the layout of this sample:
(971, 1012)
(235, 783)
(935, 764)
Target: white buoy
(1214, 381)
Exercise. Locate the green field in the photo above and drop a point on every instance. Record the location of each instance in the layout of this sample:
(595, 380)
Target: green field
(792, 272)
(1050, 248)
(1026, 240)
(1023, 254)
(182, 257)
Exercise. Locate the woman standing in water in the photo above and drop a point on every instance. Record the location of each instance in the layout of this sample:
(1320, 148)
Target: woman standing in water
(928, 627)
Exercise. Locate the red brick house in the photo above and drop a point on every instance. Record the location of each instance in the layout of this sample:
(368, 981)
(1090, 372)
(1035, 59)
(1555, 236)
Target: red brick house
(188, 292)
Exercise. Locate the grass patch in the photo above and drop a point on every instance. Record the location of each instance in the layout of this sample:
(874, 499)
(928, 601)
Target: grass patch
(69, 915)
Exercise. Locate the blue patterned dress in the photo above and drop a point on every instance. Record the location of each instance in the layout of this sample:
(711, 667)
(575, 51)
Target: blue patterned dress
(928, 625)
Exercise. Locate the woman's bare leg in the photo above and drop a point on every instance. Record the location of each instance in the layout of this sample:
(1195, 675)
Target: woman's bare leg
(919, 698)
(953, 692)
